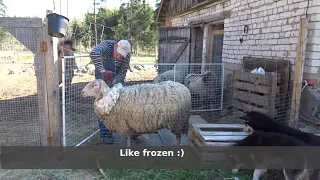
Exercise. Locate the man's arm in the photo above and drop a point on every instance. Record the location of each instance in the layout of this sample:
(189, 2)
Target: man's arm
(96, 54)
(123, 70)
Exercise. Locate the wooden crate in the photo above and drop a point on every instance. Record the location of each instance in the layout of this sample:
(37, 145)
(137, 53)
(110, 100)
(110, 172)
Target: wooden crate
(256, 92)
(207, 134)
(281, 66)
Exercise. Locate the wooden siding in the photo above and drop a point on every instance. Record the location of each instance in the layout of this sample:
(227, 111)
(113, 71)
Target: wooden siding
(198, 45)
(174, 47)
(178, 6)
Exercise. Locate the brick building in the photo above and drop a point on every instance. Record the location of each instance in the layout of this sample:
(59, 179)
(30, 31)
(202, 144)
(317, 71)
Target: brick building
(227, 30)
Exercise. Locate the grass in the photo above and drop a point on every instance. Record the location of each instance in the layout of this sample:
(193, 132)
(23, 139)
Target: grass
(123, 174)
(174, 174)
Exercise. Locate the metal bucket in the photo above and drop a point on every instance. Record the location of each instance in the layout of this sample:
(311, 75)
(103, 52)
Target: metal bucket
(57, 25)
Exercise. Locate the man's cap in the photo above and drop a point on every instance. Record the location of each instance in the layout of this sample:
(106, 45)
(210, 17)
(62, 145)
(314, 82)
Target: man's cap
(124, 47)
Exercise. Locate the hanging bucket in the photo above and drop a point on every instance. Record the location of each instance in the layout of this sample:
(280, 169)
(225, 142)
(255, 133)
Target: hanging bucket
(57, 25)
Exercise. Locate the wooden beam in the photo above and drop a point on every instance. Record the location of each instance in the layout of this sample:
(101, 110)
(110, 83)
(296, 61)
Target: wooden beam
(298, 73)
(19, 22)
(196, 6)
(212, 19)
(206, 45)
(192, 48)
(49, 53)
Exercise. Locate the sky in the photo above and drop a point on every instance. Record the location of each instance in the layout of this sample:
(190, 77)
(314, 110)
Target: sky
(76, 7)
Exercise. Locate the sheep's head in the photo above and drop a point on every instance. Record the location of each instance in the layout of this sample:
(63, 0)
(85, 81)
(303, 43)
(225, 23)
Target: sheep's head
(96, 88)
(159, 79)
(208, 77)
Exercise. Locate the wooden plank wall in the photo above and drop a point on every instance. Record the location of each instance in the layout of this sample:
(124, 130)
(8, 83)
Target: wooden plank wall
(178, 6)
(171, 41)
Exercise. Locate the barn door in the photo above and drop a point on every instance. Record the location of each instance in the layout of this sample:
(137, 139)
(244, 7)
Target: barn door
(174, 47)
(216, 46)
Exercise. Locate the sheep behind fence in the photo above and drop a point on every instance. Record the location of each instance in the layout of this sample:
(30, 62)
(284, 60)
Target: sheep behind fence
(73, 104)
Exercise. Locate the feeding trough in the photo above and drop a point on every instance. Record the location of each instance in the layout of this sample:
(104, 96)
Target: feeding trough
(57, 25)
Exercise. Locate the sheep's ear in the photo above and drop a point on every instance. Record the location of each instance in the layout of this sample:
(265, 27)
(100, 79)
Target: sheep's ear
(104, 88)
(207, 76)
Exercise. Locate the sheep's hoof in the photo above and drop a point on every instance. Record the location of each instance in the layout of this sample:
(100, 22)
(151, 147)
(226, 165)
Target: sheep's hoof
(135, 137)
(128, 141)
(107, 140)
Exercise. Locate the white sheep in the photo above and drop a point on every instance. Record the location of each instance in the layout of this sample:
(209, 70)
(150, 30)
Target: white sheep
(202, 85)
(169, 76)
(141, 108)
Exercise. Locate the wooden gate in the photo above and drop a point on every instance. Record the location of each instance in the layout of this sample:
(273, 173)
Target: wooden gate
(22, 83)
(174, 47)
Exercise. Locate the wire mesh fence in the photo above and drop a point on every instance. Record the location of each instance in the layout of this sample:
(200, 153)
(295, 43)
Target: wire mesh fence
(79, 120)
(218, 94)
(79, 117)
(205, 85)
(21, 85)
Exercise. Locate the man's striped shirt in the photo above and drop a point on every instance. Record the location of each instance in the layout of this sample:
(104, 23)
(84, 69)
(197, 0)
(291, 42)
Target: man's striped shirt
(103, 53)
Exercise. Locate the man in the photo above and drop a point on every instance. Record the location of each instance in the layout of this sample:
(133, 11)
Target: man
(111, 60)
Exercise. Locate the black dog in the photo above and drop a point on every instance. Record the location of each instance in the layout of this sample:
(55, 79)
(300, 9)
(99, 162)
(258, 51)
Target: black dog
(261, 121)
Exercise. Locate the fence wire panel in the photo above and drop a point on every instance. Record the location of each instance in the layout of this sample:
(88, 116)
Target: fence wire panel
(205, 82)
(220, 95)
(21, 87)
(78, 118)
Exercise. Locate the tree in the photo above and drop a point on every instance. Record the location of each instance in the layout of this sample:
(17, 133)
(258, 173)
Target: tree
(3, 8)
(3, 32)
(142, 25)
(113, 24)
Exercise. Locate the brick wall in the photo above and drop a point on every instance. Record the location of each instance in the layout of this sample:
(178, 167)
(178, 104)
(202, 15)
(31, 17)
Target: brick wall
(273, 29)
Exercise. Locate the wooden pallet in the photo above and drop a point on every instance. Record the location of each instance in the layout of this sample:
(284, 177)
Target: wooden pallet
(256, 92)
(280, 66)
(214, 135)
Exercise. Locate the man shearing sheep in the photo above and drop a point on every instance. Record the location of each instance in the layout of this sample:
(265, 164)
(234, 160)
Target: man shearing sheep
(111, 60)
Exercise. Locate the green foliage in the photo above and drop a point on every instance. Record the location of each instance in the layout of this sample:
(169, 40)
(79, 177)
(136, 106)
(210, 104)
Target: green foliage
(3, 8)
(3, 33)
(142, 23)
(140, 16)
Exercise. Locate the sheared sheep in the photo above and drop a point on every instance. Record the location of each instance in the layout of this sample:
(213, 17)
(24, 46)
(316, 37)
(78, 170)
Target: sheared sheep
(203, 86)
(169, 76)
(142, 108)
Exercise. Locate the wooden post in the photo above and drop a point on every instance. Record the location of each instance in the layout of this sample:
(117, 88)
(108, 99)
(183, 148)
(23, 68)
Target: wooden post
(298, 73)
(49, 54)
(193, 34)
(206, 41)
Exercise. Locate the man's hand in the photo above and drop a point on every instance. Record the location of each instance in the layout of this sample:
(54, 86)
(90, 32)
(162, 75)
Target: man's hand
(106, 75)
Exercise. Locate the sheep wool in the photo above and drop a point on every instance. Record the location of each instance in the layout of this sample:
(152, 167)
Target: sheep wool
(146, 108)
(104, 105)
